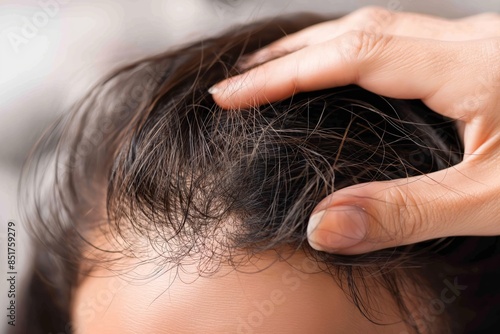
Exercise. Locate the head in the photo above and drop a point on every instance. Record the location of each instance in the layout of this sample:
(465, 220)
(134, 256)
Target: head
(151, 177)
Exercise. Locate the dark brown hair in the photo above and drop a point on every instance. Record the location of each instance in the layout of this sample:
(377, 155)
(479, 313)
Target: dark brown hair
(148, 153)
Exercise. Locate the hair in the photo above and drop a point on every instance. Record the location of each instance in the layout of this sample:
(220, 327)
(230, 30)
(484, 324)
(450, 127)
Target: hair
(148, 154)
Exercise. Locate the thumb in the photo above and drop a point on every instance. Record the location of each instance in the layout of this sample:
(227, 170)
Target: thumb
(377, 215)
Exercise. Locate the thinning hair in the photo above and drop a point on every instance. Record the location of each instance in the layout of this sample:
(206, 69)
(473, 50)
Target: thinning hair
(147, 153)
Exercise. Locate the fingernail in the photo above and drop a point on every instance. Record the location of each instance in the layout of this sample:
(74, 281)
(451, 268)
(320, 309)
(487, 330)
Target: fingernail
(257, 58)
(337, 228)
(243, 63)
(213, 90)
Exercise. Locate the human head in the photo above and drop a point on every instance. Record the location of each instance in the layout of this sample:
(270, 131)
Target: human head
(148, 168)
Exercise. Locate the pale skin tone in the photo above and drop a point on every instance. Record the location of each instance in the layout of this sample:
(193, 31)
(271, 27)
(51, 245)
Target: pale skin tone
(261, 297)
(453, 66)
(265, 293)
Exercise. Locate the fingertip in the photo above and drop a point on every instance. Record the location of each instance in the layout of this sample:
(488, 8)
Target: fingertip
(214, 90)
(337, 228)
(221, 95)
(235, 93)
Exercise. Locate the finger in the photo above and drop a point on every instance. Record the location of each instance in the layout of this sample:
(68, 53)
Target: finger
(398, 67)
(378, 215)
(377, 20)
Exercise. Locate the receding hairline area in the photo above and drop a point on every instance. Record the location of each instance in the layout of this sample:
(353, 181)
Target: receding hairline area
(264, 294)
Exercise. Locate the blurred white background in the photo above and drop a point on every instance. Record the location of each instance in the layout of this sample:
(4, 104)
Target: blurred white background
(51, 51)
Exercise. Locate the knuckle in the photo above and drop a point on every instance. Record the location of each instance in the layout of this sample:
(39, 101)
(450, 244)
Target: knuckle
(373, 19)
(371, 12)
(406, 218)
(360, 45)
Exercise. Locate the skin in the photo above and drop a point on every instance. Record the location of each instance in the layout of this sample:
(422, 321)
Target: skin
(266, 293)
(453, 66)
(263, 296)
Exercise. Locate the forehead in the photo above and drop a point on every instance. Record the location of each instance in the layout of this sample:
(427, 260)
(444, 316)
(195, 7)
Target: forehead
(265, 296)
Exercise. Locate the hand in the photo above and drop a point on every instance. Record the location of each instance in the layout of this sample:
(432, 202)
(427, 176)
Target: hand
(453, 66)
